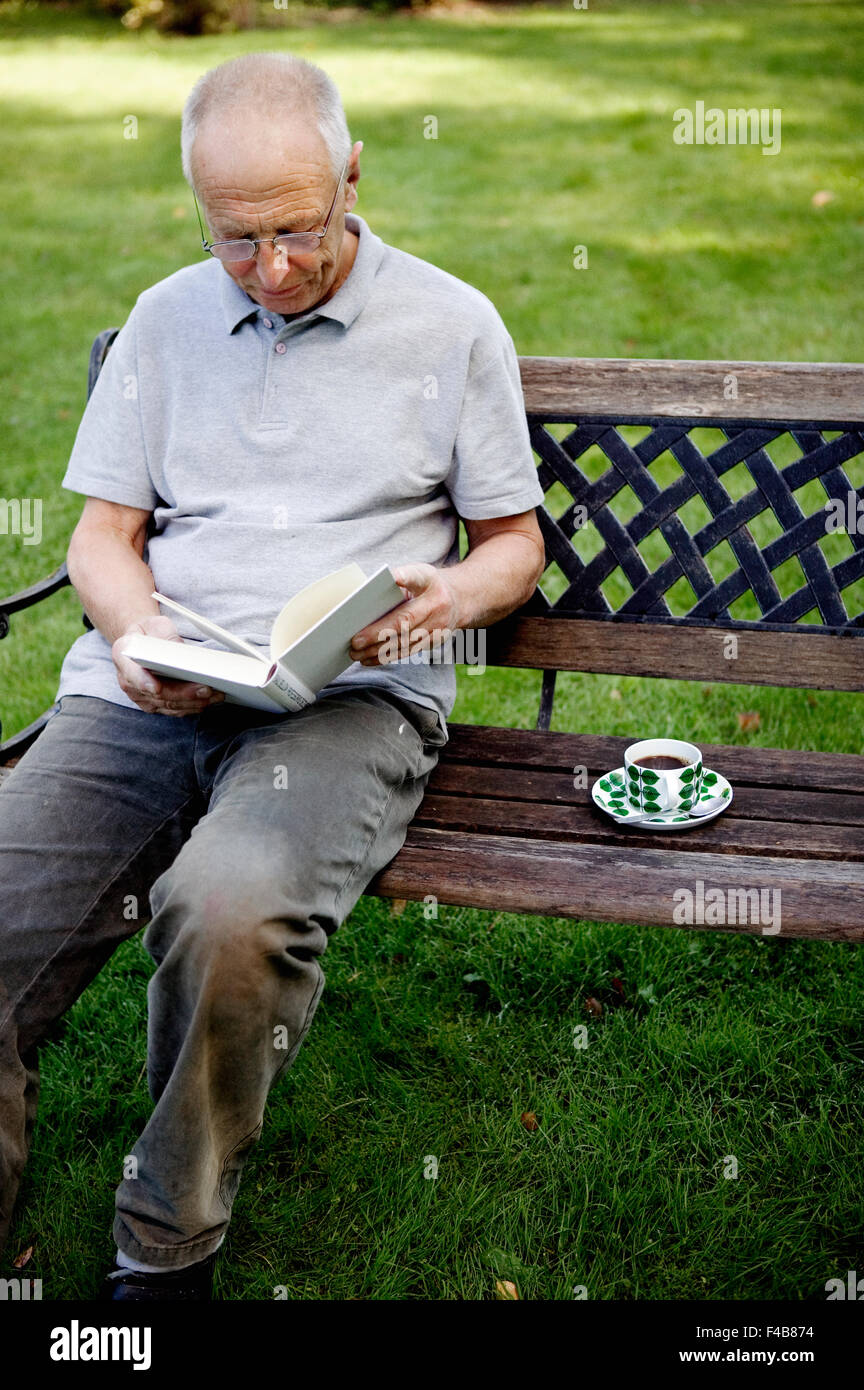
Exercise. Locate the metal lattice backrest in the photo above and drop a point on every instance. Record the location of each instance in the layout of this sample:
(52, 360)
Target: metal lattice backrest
(700, 475)
(685, 499)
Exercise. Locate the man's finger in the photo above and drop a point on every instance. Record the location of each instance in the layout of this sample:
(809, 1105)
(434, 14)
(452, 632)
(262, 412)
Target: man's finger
(136, 676)
(413, 577)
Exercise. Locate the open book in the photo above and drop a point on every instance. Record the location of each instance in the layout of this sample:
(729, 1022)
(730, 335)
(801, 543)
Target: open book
(309, 642)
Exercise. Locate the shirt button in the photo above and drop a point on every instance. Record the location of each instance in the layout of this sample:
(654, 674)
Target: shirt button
(268, 323)
(280, 347)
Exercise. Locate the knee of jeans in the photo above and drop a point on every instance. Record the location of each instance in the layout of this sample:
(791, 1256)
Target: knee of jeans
(239, 909)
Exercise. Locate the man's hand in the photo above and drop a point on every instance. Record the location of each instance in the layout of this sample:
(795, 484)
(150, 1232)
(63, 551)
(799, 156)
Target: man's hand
(505, 561)
(427, 619)
(151, 693)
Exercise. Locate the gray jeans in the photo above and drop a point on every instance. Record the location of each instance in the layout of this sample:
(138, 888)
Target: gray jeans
(253, 835)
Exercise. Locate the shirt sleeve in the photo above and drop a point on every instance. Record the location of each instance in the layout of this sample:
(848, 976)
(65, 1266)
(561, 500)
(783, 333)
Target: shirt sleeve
(109, 456)
(493, 472)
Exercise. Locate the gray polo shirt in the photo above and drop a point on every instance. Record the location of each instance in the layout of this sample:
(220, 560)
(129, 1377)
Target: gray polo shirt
(273, 450)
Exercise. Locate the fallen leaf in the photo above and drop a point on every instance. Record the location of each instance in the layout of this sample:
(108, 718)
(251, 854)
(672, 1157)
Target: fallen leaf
(618, 985)
(398, 906)
(615, 693)
(751, 719)
(822, 197)
(594, 1007)
(529, 1120)
(178, 213)
(506, 1289)
(352, 978)
(23, 1259)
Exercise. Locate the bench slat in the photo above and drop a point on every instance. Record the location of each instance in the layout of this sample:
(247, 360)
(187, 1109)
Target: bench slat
(485, 743)
(464, 782)
(725, 835)
(820, 899)
(812, 661)
(665, 388)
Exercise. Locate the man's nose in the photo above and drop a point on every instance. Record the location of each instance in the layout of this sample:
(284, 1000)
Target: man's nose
(272, 264)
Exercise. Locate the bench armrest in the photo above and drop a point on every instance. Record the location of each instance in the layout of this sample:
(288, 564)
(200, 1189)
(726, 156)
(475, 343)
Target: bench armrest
(26, 598)
(16, 603)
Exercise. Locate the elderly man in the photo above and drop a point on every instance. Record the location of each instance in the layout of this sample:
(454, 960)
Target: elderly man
(304, 373)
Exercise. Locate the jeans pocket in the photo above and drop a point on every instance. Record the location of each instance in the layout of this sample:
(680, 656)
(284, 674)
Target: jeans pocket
(429, 728)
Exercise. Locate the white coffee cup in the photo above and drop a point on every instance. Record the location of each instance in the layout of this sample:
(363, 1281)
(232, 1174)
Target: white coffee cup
(654, 788)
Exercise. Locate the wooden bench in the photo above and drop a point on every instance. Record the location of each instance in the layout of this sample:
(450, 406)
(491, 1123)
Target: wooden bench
(630, 452)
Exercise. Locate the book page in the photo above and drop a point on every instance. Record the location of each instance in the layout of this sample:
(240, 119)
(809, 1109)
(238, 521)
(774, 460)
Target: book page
(324, 650)
(311, 605)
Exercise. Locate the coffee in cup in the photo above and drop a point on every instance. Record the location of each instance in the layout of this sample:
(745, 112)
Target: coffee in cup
(662, 774)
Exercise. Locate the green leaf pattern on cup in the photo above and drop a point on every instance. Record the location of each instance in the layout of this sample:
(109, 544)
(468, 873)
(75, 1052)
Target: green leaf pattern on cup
(627, 795)
(644, 792)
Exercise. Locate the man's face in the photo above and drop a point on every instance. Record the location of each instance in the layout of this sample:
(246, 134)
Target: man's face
(256, 179)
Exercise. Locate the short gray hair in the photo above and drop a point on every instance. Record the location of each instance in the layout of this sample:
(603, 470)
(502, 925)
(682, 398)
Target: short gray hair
(267, 83)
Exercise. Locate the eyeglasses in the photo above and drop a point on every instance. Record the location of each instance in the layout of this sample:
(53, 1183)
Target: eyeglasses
(247, 248)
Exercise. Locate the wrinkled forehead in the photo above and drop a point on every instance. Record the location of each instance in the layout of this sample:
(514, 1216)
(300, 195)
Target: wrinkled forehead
(259, 155)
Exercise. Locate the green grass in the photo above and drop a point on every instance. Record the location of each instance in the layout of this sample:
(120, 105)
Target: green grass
(743, 1047)
(554, 130)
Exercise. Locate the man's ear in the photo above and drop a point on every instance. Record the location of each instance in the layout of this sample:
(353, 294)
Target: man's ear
(352, 176)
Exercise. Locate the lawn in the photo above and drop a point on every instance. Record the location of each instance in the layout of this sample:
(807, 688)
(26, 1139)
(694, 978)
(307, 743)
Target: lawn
(435, 1035)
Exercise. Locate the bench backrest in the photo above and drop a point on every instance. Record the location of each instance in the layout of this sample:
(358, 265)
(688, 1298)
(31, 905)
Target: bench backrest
(696, 511)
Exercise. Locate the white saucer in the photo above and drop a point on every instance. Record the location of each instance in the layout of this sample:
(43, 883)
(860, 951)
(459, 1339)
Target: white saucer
(608, 792)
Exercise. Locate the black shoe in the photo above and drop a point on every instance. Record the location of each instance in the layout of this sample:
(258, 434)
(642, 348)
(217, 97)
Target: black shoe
(191, 1285)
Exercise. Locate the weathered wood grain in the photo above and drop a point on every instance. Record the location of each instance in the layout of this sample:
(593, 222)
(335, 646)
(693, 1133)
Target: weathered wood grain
(659, 388)
(488, 743)
(819, 899)
(503, 826)
(727, 834)
(813, 661)
(465, 782)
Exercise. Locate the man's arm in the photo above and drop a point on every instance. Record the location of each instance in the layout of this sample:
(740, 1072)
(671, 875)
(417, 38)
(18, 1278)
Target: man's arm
(107, 569)
(505, 561)
(500, 572)
(106, 566)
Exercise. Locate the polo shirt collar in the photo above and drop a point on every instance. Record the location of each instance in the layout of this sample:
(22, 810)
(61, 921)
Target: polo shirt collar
(345, 304)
